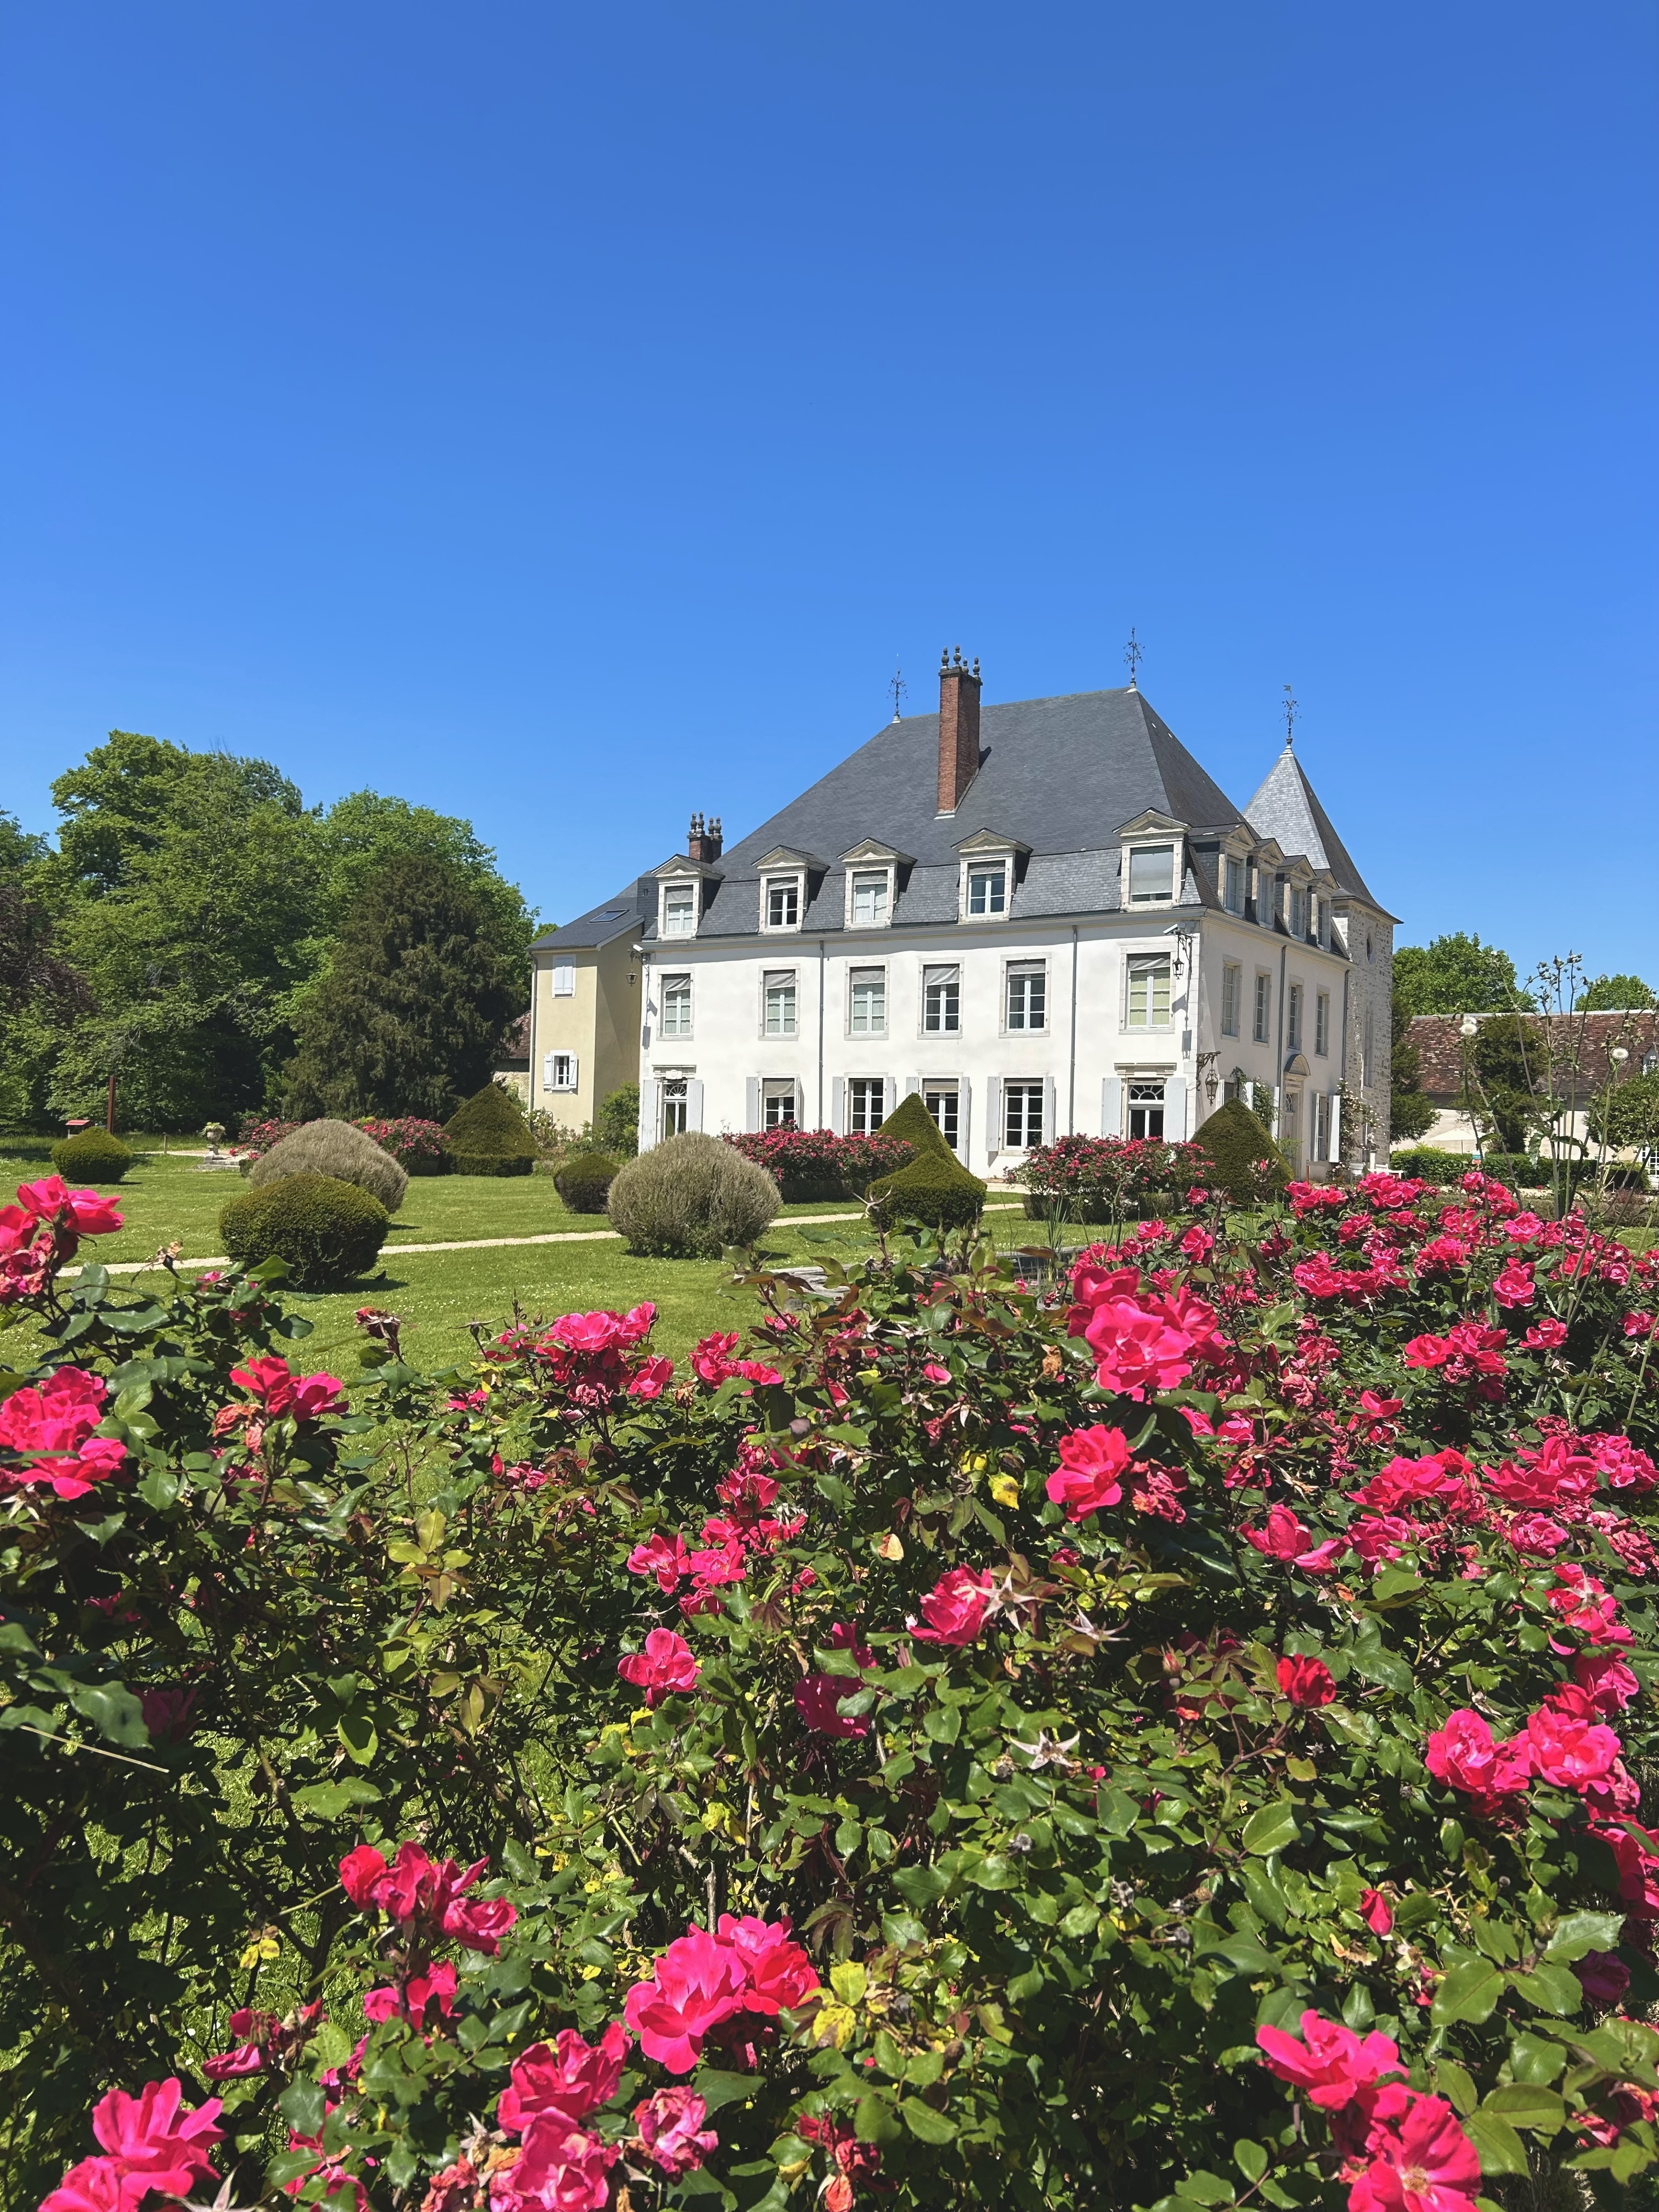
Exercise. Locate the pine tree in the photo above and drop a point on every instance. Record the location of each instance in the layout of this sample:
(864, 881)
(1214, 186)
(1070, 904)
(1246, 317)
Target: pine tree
(410, 1014)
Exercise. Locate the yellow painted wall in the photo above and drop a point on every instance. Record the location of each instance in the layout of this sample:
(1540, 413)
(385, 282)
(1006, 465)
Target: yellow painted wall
(600, 1024)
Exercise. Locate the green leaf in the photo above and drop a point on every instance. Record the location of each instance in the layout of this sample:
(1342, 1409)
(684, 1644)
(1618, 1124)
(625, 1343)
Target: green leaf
(1118, 1812)
(357, 1737)
(925, 2123)
(1532, 2059)
(1470, 1991)
(328, 1800)
(1369, 1656)
(875, 2121)
(920, 1886)
(1550, 1988)
(303, 2106)
(114, 1712)
(1580, 1932)
(1528, 2105)
(1251, 2159)
(1455, 2085)
(1203, 2188)
(1270, 1829)
(160, 1488)
(1501, 2150)
(716, 2088)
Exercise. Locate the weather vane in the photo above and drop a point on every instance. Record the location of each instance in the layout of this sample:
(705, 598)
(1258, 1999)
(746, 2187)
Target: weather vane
(1135, 653)
(1291, 710)
(899, 689)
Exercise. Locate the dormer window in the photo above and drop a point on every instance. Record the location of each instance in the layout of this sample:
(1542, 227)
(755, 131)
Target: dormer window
(1152, 874)
(1233, 885)
(987, 888)
(679, 909)
(782, 902)
(871, 897)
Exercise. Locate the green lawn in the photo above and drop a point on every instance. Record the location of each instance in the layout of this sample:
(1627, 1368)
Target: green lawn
(166, 1197)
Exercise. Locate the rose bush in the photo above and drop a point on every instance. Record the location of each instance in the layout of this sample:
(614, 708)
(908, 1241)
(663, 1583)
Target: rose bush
(1106, 1178)
(1177, 1743)
(808, 1164)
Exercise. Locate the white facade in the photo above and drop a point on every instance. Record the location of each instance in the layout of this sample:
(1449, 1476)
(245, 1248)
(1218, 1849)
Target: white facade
(1108, 1024)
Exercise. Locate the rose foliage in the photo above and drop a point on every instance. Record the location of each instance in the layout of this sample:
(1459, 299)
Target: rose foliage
(1178, 1741)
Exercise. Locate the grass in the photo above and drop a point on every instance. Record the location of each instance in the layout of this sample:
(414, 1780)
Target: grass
(166, 1197)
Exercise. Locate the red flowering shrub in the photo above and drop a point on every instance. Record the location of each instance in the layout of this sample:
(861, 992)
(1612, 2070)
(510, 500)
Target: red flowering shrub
(1160, 1746)
(419, 1147)
(1109, 1178)
(259, 1138)
(817, 1163)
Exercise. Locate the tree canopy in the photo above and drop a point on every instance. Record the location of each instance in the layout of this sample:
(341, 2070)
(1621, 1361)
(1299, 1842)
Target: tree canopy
(1455, 975)
(1616, 994)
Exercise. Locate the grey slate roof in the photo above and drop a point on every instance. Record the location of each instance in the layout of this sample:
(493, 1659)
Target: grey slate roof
(1287, 808)
(1061, 775)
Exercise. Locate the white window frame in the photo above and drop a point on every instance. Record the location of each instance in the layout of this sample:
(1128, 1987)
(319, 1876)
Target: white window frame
(1148, 963)
(939, 970)
(1235, 876)
(1261, 1007)
(776, 1090)
(943, 1086)
(1148, 902)
(673, 1107)
(562, 1070)
(867, 872)
(663, 1030)
(676, 884)
(1322, 1024)
(1294, 1001)
(1321, 1127)
(1027, 1084)
(1233, 993)
(1000, 866)
(563, 984)
(1023, 968)
(1154, 1099)
(773, 981)
(875, 1091)
(782, 879)
(865, 974)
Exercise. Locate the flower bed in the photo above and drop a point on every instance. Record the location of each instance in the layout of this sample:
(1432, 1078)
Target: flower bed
(1108, 1178)
(807, 1163)
(1180, 1742)
(419, 1147)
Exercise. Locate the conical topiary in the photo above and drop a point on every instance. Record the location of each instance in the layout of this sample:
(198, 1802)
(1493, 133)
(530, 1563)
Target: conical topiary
(490, 1135)
(935, 1187)
(910, 1120)
(1243, 1160)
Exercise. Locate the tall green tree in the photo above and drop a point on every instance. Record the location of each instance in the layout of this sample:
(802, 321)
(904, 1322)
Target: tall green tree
(408, 1015)
(40, 990)
(1455, 975)
(1616, 994)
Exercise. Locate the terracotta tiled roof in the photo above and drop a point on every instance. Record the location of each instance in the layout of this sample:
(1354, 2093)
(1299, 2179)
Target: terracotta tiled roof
(515, 1044)
(1587, 1037)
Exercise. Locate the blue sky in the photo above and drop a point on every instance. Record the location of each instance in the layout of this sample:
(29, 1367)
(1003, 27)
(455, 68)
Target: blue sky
(566, 417)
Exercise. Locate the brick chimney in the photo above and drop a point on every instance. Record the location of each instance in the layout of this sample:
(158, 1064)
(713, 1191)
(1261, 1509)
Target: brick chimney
(704, 844)
(959, 728)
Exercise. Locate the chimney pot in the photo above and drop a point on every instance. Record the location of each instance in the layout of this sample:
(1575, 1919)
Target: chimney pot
(958, 730)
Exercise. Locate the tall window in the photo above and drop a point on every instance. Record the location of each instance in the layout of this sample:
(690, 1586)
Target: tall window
(943, 1102)
(941, 1001)
(1022, 1115)
(1290, 1110)
(1293, 1018)
(1233, 893)
(1322, 1026)
(1264, 1000)
(866, 1105)
(780, 1004)
(674, 1107)
(561, 1071)
(676, 1006)
(988, 890)
(1145, 1109)
(778, 1103)
(1298, 913)
(782, 902)
(1152, 873)
(1232, 982)
(867, 1008)
(680, 910)
(1028, 996)
(870, 896)
(1149, 991)
(1321, 1143)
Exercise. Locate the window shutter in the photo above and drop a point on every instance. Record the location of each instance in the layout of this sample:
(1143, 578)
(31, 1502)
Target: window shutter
(994, 1118)
(889, 1094)
(751, 1106)
(1111, 1106)
(964, 1109)
(1336, 1125)
(838, 1104)
(564, 979)
(800, 1103)
(1174, 1109)
(693, 1103)
(547, 1071)
(1049, 1110)
(650, 1115)
(912, 1085)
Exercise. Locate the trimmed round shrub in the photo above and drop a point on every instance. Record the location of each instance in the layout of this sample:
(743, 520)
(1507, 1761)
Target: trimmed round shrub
(489, 1134)
(1443, 1170)
(937, 1192)
(911, 1120)
(325, 1230)
(1239, 1156)
(91, 1155)
(584, 1180)
(690, 1197)
(339, 1150)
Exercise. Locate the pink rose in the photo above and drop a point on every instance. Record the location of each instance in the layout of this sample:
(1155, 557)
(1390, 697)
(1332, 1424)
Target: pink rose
(1090, 1461)
(697, 1982)
(1306, 1681)
(818, 1701)
(954, 1607)
(569, 2083)
(664, 1665)
(669, 2124)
